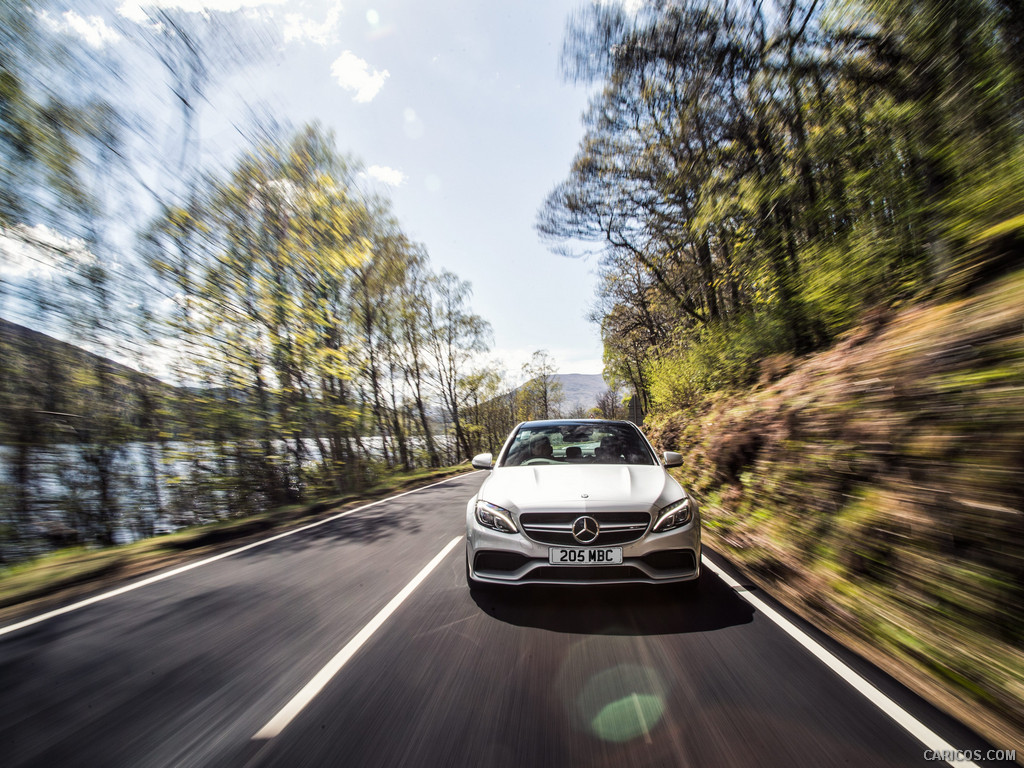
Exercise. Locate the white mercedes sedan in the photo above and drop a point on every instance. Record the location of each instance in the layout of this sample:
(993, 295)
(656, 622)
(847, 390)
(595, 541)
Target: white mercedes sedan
(580, 502)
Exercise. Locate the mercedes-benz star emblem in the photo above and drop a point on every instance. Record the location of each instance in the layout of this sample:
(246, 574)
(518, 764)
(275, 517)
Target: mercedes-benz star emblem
(585, 530)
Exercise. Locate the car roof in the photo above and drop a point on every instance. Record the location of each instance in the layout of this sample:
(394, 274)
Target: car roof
(567, 422)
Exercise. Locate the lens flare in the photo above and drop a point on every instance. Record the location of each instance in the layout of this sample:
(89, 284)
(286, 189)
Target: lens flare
(609, 697)
(628, 718)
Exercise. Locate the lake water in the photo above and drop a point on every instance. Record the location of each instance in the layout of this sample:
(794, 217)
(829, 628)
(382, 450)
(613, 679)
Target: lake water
(156, 488)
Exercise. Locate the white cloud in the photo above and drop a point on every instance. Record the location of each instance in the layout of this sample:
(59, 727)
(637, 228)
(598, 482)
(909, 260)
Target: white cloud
(299, 28)
(93, 30)
(389, 176)
(354, 74)
(39, 252)
(135, 10)
(631, 7)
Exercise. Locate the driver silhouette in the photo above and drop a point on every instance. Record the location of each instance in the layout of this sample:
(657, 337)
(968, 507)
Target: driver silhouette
(540, 448)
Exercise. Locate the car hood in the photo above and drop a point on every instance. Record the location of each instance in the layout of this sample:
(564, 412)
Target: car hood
(528, 487)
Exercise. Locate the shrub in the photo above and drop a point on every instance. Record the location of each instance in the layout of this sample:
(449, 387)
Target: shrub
(716, 357)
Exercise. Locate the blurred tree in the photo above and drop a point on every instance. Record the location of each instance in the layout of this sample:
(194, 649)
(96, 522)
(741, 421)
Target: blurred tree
(263, 266)
(413, 314)
(781, 165)
(313, 344)
(59, 144)
(317, 331)
(40, 128)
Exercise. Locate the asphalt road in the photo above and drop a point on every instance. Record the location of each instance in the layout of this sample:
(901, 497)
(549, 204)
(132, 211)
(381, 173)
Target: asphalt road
(186, 671)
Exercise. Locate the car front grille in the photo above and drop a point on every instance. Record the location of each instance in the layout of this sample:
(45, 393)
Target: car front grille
(556, 527)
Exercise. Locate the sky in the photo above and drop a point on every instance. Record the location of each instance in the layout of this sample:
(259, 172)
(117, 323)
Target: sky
(458, 112)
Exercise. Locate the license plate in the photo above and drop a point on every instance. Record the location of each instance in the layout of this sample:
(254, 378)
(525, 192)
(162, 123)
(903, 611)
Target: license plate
(585, 555)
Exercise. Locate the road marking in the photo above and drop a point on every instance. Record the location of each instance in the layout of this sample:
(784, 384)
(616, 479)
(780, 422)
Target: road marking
(280, 721)
(199, 563)
(900, 716)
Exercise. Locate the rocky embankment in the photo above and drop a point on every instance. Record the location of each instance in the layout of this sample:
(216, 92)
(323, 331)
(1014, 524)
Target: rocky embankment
(878, 489)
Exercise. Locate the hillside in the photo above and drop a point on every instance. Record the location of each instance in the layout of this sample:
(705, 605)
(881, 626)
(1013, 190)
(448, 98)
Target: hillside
(877, 487)
(18, 340)
(47, 380)
(581, 389)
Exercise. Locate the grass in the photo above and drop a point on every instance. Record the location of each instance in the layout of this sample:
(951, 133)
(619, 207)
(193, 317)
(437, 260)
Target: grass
(74, 570)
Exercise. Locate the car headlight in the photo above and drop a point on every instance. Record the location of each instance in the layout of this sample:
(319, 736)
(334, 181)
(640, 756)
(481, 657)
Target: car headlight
(494, 517)
(674, 515)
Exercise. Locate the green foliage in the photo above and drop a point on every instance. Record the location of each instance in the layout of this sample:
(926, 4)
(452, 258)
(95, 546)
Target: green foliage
(988, 200)
(797, 160)
(309, 337)
(315, 326)
(715, 358)
(313, 347)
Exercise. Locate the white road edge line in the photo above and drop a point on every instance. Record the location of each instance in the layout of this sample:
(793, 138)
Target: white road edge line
(199, 563)
(900, 716)
(281, 720)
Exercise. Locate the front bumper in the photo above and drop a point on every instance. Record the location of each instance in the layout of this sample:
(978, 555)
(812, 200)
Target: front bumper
(513, 559)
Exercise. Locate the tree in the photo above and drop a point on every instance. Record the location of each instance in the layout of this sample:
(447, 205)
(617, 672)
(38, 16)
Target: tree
(542, 395)
(41, 129)
(413, 314)
(781, 166)
(609, 405)
(265, 265)
(455, 336)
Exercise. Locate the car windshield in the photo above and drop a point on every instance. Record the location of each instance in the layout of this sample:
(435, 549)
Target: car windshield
(578, 443)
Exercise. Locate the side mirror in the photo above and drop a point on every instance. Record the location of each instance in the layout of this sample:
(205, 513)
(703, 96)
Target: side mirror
(672, 459)
(486, 461)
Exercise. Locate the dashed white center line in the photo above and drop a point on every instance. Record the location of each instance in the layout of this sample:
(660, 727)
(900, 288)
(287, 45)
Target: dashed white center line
(281, 720)
(913, 726)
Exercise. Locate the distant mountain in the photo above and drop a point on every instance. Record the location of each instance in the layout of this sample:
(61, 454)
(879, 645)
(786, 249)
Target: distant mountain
(31, 356)
(43, 381)
(580, 389)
